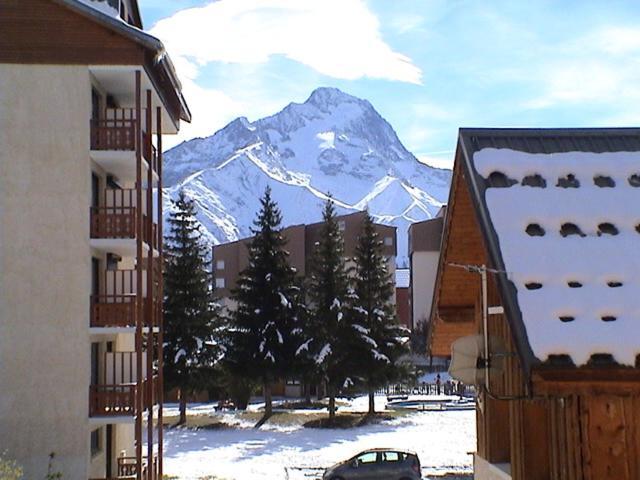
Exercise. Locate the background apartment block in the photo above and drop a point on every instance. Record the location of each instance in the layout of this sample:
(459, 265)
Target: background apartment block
(85, 96)
(424, 254)
(230, 259)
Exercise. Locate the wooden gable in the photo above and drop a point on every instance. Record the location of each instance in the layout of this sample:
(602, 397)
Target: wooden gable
(456, 289)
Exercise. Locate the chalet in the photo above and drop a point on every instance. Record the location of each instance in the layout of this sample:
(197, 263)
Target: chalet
(540, 272)
(85, 98)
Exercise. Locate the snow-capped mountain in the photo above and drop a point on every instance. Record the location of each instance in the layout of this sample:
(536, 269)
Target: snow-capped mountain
(332, 143)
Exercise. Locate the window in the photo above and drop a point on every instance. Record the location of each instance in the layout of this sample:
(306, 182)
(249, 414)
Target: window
(95, 190)
(219, 282)
(95, 276)
(369, 457)
(95, 359)
(391, 457)
(388, 241)
(96, 444)
(342, 225)
(220, 265)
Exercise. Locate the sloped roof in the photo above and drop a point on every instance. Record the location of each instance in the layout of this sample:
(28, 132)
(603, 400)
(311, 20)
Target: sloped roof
(566, 295)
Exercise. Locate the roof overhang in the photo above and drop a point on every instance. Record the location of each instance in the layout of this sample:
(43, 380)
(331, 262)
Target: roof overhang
(159, 67)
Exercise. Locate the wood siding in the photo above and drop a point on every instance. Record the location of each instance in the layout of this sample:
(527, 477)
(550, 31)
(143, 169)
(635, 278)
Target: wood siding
(41, 31)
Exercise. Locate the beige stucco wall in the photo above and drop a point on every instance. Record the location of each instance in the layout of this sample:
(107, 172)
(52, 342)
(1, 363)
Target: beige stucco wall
(45, 265)
(424, 268)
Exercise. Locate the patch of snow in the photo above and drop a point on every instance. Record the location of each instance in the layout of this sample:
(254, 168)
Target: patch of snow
(360, 328)
(442, 441)
(304, 347)
(326, 350)
(283, 300)
(328, 140)
(179, 354)
(553, 260)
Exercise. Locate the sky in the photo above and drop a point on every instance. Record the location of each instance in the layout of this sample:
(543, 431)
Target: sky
(428, 66)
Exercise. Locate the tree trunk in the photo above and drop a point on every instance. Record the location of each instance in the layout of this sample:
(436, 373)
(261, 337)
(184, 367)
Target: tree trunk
(268, 402)
(183, 407)
(307, 392)
(332, 403)
(268, 405)
(372, 402)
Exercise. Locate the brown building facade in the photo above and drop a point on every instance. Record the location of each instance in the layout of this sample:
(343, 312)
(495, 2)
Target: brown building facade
(230, 259)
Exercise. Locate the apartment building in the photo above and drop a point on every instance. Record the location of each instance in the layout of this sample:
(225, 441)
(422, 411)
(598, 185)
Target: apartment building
(232, 258)
(424, 254)
(85, 97)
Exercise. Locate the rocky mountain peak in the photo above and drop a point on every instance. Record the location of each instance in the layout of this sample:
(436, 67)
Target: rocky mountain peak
(333, 142)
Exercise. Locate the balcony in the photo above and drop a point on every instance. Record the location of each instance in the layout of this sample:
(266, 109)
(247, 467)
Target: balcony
(113, 143)
(116, 395)
(117, 400)
(116, 131)
(127, 469)
(113, 224)
(114, 311)
(117, 307)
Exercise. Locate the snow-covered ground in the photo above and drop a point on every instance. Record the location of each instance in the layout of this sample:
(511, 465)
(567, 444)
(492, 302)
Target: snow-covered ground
(442, 440)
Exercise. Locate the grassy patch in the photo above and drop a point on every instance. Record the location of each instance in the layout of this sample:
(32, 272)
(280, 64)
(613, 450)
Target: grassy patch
(347, 420)
(195, 421)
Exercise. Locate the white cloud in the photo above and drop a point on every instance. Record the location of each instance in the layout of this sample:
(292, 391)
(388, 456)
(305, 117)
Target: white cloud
(601, 67)
(338, 38)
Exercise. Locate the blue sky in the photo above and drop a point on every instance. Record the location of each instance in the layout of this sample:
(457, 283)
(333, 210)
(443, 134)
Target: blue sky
(428, 66)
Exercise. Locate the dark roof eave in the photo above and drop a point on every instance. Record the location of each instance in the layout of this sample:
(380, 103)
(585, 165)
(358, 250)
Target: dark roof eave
(161, 57)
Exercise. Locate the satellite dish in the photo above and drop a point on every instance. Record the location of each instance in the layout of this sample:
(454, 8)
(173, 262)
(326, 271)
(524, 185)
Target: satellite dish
(467, 359)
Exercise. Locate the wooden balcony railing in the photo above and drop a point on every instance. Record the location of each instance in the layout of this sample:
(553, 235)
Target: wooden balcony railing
(113, 222)
(112, 400)
(116, 131)
(119, 399)
(113, 310)
(128, 467)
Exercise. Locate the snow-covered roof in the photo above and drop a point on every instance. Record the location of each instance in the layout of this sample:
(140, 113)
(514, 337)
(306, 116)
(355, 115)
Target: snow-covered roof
(568, 226)
(402, 278)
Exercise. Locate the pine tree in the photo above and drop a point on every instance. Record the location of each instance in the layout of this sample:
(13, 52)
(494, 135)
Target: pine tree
(328, 297)
(380, 339)
(262, 341)
(192, 319)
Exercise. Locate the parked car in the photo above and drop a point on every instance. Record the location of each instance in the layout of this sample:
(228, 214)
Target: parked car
(377, 464)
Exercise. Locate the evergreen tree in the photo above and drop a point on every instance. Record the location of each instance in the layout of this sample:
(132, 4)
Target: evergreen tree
(380, 339)
(262, 340)
(191, 317)
(328, 330)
